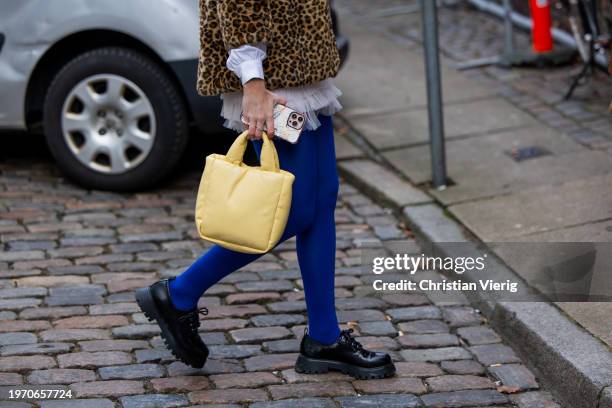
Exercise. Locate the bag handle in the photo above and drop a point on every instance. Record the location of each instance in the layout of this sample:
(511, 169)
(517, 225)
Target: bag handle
(269, 156)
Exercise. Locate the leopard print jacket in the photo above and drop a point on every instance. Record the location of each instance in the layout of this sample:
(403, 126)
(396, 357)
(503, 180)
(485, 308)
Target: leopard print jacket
(301, 47)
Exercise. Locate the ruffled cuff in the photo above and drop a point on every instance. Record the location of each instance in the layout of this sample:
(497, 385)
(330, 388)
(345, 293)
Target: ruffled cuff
(246, 61)
(251, 69)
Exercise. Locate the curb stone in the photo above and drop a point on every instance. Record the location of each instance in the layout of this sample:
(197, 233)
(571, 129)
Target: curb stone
(577, 366)
(389, 188)
(532, 328)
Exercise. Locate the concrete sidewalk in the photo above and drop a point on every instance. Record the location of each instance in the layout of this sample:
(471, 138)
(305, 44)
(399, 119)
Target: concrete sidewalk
(563, 195)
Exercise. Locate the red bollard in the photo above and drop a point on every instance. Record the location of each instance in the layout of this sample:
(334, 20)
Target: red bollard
(541, 34)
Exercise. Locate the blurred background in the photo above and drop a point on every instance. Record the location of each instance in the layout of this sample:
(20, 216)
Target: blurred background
(113, 92)
(110, 85)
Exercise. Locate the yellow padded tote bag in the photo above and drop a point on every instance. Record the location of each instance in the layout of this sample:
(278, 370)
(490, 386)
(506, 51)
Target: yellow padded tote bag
(240, 207)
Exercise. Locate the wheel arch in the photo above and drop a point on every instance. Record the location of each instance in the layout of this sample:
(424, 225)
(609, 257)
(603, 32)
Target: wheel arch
(69, 47)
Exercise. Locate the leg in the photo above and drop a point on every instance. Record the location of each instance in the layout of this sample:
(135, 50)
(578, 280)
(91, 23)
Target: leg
(219, 262)
(316, 245)
(325, 347)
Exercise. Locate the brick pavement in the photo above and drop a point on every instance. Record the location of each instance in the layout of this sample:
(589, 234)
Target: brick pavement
(70, 258)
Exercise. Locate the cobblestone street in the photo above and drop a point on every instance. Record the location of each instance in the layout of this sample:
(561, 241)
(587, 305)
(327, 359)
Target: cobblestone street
(70, 259)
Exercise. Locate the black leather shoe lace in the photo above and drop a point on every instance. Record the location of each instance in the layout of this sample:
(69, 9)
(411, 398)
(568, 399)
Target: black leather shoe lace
(191, 319)
(353, 343)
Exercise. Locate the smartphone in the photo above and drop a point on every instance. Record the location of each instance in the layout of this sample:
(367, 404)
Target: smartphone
(288, 123)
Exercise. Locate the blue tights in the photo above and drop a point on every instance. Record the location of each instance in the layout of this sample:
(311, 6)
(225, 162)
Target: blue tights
(311, 220)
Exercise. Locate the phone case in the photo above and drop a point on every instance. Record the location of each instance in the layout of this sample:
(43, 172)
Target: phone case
(288, 123)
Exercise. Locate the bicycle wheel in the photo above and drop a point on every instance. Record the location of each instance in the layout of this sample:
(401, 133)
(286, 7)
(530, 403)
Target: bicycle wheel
(589, 24)
(577, 27)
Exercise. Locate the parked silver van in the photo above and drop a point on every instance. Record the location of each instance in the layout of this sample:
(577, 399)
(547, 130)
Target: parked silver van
(111, 83)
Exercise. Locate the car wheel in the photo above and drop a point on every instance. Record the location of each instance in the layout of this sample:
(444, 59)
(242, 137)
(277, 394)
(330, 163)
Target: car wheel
(114, 120)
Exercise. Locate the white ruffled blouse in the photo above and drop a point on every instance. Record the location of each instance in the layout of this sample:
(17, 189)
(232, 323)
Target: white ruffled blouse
(310, 100)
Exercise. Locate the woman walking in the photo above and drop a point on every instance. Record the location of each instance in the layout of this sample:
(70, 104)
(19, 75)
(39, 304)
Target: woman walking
(255, 54)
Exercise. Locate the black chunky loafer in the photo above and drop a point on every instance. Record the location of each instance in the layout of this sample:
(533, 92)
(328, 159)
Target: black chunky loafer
(179, 329)
(346, 355)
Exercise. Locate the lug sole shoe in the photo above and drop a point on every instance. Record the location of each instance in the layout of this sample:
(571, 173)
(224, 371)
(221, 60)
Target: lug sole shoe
(179, 329)
(306, 365)
(346, 355)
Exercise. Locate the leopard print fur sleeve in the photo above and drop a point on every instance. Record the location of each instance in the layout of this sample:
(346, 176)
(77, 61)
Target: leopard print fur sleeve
(244, 22)
(301, 47)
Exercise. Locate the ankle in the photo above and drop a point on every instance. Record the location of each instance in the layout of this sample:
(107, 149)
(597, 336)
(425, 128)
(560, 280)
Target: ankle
(326, 338)
(178, 299)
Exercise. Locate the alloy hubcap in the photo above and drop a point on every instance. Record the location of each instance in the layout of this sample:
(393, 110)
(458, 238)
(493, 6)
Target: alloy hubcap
(108, 123)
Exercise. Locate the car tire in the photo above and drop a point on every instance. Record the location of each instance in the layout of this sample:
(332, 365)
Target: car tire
(163, 129)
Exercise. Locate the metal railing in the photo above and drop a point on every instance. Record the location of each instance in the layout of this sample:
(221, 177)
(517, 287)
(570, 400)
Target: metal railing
(524, 22)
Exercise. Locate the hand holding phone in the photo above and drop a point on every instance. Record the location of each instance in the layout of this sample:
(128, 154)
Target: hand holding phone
(288, 123)
(258, 107)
